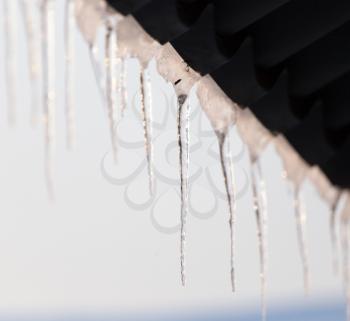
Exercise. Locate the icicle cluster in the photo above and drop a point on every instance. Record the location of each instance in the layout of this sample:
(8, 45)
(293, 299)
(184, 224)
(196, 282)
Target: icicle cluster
(125, 38)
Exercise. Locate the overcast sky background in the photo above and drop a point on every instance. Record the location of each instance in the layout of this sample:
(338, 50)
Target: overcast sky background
(92, 251)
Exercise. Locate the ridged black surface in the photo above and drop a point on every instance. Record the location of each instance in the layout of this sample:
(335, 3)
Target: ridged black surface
(127, 6)
(160, 18)
(288, 60)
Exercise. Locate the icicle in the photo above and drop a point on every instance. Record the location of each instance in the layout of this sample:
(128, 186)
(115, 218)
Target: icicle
(48, 57)
(232, 173)
(345, 249)
(33, 59)
(333, 233)
(9, 55)
(122, 87)
(69, 75)
(232, 207)
(111, 85)
(93, 50)
(145, 91)
(300, 216)
(184, 172)
(260, 209)
(221, 139)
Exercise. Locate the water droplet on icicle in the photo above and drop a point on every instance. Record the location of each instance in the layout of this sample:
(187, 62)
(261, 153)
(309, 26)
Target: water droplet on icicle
(184, 155)
(333, 233)
(260, 209)
(48, 63)
(146, 109)
(221, 138)
(9, 56)
(111, 85)
(33, 57)
(300, 216)
(69, 74)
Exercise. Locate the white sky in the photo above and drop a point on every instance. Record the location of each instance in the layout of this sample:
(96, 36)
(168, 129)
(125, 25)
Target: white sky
(90, 251)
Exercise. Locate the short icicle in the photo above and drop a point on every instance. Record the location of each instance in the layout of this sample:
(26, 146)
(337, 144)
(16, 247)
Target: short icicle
(9, 55)
(300, 216)
(333, 232)
(69, 74)
(221, 139)
(93, 52)
(48, 58)
(111, 84)
(146, 109)
(260, 209)
(183, 142)
(33, 57)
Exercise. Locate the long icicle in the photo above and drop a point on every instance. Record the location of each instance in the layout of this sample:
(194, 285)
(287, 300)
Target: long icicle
(111, 53)
(333, 232)
(344, 228)
(33, 58)
(184, 169)
(48, 57)
(145, 91)
(300, 216)
(10, 64)
(233, 206)
(221, 139)
(69, 75)
(260, 209)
